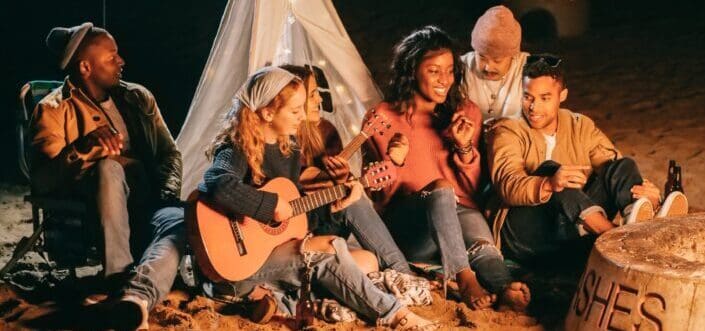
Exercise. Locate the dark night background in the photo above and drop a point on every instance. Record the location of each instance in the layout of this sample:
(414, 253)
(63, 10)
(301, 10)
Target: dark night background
(166, 43)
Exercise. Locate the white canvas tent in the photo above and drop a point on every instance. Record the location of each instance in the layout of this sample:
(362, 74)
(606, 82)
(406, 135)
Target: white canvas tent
(254, 33)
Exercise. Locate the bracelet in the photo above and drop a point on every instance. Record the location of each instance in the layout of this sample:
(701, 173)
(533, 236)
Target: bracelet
(463, 150)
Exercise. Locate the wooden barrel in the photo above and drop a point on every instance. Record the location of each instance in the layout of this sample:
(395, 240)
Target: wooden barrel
(647, 276)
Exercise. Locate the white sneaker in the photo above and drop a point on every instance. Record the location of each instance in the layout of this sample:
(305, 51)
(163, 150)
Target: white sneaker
(675, 204)
(639, 211)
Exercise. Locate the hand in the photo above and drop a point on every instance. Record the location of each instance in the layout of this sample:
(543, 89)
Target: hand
(568, 176)
(647, 190)
(398, 148)
(354, 195)
(462, 130)
(105, 137)
(282, 211)
(337, 168)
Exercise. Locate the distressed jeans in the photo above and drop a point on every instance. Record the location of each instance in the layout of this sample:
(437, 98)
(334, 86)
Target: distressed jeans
(430, 226)
(362, 220)
(336, 273)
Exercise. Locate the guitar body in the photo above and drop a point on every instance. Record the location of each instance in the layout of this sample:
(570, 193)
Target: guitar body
(222, 254)
(232, 249)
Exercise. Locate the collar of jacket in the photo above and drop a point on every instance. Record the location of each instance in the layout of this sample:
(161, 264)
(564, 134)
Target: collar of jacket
(124, 91)
(561, 128)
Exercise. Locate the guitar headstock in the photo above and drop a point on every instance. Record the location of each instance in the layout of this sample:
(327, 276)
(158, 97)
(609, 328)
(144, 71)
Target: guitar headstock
(374, 122)
(377, 175)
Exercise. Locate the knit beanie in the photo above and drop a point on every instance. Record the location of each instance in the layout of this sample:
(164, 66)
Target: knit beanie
(496, 33)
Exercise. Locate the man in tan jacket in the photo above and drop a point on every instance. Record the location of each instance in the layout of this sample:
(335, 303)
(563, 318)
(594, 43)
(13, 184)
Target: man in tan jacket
(558, 176)
(103, 140)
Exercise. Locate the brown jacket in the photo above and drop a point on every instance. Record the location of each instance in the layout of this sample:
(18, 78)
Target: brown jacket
(67, 114)
(516, 150)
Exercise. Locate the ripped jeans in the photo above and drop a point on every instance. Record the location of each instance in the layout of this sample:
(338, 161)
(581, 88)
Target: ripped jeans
(431, 226)
(337, 273)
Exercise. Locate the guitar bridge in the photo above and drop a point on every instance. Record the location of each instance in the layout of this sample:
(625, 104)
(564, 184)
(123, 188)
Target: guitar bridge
(239, 240)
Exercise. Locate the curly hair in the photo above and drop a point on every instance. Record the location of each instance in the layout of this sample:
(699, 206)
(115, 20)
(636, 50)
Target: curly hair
(408, 55)
(242, 128)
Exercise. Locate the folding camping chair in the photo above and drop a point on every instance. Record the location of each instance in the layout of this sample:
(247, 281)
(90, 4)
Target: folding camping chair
(62, 231)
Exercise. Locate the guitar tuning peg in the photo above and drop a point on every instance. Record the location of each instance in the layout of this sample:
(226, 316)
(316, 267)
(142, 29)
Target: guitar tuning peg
(389, 126)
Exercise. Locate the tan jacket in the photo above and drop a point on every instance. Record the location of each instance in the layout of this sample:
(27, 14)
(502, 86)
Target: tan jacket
(516, 150)
(67, 114)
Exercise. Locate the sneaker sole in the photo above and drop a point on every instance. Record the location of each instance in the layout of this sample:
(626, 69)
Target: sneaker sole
(645, 213)
(677, 206)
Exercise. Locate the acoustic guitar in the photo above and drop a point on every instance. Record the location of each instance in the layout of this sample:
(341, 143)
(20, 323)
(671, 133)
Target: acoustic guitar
(313, 178)
(231, 248)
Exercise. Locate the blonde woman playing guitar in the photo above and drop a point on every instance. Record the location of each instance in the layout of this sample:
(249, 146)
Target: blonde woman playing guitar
(255, 144)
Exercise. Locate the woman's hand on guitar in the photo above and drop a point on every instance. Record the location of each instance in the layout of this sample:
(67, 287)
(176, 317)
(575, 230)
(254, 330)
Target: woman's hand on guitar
(355, 194)
(282, 211)
(337, 168)
(398, 148)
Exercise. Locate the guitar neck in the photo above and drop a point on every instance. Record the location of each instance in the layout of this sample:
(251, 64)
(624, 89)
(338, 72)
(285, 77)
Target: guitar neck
(353, 146)
(321, 198)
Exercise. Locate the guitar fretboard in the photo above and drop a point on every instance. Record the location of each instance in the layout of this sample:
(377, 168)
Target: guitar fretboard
(322, 197)
(353, 146)
(317, 199)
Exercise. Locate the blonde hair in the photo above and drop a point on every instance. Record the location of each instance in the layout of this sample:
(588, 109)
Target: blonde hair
(243, 128)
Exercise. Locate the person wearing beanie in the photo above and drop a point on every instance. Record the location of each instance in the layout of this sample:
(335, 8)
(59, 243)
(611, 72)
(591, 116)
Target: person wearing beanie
(493, 69)
(103, 140)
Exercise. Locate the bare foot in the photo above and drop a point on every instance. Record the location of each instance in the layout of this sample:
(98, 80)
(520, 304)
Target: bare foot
(484, 302)
(405, 319)
(472, 293)
(516, 297)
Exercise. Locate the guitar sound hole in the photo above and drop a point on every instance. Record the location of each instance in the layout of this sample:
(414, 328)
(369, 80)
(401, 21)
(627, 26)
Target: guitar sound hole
(274, 230)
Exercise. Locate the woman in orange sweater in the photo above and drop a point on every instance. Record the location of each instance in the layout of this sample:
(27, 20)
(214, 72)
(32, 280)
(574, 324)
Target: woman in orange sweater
(430, 209)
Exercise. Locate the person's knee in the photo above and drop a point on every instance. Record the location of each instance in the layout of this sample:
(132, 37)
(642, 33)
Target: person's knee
(365, 260)
(109, 168)
(626, 165)
(323, 244)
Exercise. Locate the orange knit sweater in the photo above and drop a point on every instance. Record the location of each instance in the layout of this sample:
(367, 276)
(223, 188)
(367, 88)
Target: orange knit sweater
(430, 155)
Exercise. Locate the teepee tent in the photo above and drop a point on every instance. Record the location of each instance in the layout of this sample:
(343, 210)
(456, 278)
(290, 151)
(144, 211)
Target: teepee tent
(255, 33)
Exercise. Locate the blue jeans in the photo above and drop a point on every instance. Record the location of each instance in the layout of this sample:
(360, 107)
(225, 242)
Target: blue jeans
(155, 273)
(362, 220)
(430, 226)
(337, 273)
(112, 195)
(156, 270)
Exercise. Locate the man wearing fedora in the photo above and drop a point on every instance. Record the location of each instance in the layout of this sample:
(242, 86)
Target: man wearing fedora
(103, 139)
